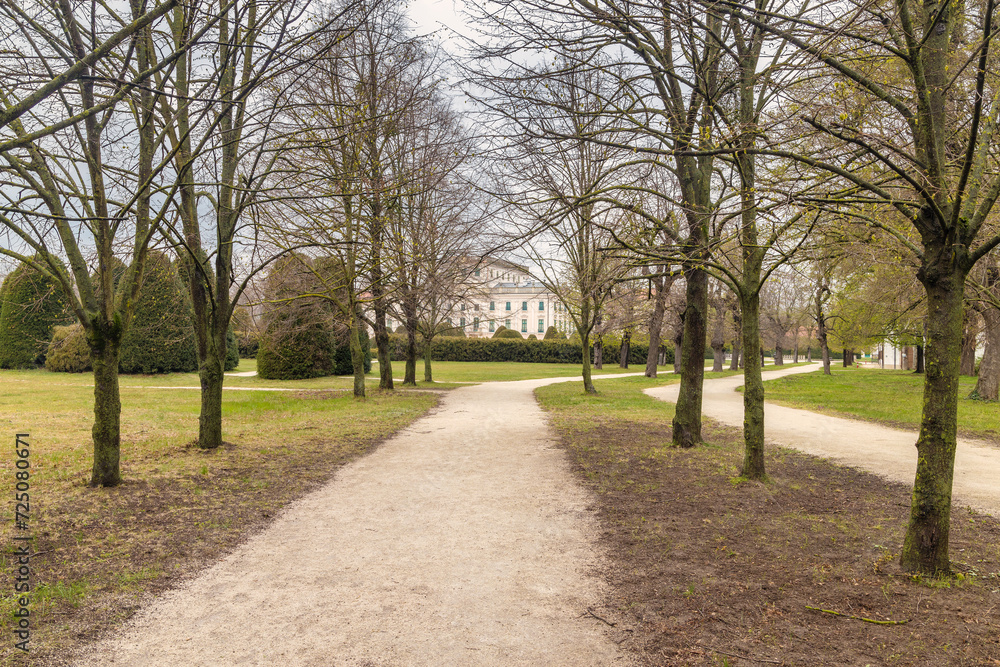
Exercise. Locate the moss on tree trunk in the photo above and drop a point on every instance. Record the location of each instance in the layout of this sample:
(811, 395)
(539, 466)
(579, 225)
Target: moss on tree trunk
(753, 390)
(655, 326)
(925, 548)
(687, 416)
(357, 358)
(428, 347)
(588, 383)
(107, 414)
(211, 373)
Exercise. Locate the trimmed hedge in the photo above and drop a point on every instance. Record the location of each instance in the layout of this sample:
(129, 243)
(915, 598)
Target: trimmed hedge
(302, 337)
(68, 351)
(507, 333)
(33, 304)
(247, 345)
(531, 351)
(306, 352)
(342, 364)
(232, 351)
(161, 337)
(553, 334)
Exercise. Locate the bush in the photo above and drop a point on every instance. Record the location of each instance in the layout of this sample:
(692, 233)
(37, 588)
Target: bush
(445, 329)
(247, 345)
(302, 338)
(295, 351)
(507, 333)
(245, 329)
(232, 351)
(342, 364)
(33, 304)
(161, 338)
(531, 351)
(553, 334)
(68, 352)
(532, 337)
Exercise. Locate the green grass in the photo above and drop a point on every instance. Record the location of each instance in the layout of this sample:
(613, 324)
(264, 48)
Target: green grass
(99, 545)
(621, 398)
(447, 375)
(891, 397)
(501, 371)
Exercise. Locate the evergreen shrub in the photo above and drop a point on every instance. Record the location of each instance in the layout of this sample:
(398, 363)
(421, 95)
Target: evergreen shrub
(507, 333)
(68, 352)
(32, 305)
(553, 334)
(302, 338)
(161, 338)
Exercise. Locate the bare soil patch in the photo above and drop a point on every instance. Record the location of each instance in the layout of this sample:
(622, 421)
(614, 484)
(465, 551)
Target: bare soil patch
(708, 570)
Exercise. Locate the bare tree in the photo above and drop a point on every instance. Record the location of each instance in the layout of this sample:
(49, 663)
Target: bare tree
(79, 207)
(910, 141)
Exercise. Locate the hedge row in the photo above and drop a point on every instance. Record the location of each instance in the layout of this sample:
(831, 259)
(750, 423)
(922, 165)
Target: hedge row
(511, 349)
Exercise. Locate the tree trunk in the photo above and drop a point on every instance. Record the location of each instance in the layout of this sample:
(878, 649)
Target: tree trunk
(677, 357)
(104, 355)
(920, 360)
(428, 377)
(625, 349)
(382, 347)
(844, 359)
(687, 415)
(796, 359)
(925, 548)
(599, 354)
(410, 371)
(809, 355)
(988, 383)
(779, 356)
(719, 338)
(357, 357)
(738, 339)
(655, 326)
(718, 357)
(753, 389)
(969, 335)
(588, 383)
(211, 373)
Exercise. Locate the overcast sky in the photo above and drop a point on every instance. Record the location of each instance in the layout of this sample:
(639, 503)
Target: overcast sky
(430, 15)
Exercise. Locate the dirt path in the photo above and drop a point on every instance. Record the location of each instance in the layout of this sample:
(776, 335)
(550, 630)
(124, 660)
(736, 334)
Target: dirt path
(885, 451)
(464, 540)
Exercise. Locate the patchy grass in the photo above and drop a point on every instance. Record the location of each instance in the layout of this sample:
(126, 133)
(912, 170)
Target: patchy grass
(706, 569)
(890, 397)
(180, 508)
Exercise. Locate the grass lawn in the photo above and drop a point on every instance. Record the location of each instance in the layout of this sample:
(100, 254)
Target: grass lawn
(502, 371)
(180, 508)
(705, 570)
(891, 397)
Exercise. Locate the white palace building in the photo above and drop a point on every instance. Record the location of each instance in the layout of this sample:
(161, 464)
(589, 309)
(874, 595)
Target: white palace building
(508, 296)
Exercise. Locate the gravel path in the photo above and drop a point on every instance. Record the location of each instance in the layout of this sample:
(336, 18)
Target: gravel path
(464, 540)
(885, 451)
